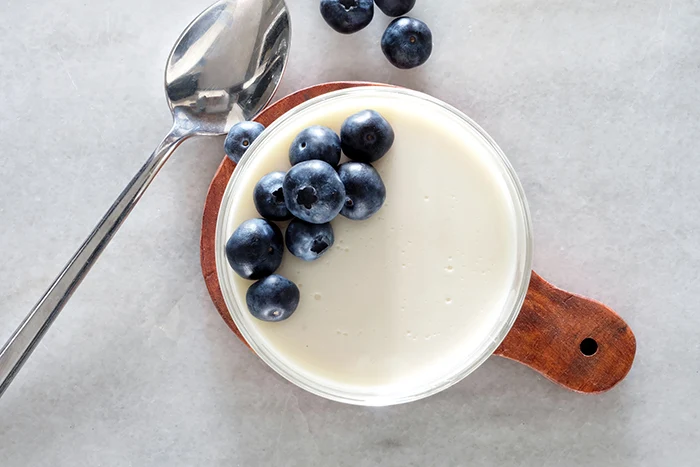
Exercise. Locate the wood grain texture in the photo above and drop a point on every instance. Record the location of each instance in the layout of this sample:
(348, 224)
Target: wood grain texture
(547, 333)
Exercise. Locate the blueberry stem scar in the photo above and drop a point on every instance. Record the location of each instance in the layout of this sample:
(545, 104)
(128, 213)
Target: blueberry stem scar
(307, 197)
(349, 4)
(319, 246)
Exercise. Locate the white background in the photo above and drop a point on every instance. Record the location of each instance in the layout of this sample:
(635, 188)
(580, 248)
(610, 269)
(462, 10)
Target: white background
(597, 104)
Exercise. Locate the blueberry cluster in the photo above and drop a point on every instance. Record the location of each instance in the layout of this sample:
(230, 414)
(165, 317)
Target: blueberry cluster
(406, 43)
(311, 194)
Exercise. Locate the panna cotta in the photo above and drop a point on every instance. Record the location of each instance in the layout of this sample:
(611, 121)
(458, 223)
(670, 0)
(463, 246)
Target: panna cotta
(412, 299)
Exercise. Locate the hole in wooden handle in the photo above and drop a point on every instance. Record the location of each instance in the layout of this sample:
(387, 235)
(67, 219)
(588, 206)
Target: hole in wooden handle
(588, 346)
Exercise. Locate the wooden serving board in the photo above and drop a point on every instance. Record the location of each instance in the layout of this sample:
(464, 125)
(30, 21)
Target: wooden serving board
(574, 341)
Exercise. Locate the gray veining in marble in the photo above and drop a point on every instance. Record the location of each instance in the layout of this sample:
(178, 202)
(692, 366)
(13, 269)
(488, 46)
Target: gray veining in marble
(596, 103)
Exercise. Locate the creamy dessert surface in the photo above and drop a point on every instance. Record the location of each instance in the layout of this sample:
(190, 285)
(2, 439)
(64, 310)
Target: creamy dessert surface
(406, 297)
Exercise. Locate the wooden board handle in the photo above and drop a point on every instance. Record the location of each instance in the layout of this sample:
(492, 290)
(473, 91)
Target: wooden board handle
(574, 341)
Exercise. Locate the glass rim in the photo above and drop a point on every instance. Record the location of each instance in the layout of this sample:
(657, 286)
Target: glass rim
(523, 272)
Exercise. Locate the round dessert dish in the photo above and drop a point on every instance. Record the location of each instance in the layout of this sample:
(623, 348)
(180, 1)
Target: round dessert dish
(412, 300)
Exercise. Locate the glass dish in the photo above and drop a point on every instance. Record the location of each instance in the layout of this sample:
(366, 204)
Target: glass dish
(239, 313)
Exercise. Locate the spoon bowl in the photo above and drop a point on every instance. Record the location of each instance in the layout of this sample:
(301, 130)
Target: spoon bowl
(227, 64)
(224, 68)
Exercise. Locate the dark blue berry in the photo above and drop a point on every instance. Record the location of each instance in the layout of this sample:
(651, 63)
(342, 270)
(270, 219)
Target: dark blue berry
(240, 137)
(395, 7)
(407, 43)
(365, 192)
(366, 136)
(316, 142)
(347, 16)
(255, 249)
(269, 197)
(274, 298)
(308, 241)
(313, 192)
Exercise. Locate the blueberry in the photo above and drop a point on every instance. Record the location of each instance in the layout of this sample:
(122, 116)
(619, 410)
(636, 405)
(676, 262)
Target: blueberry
(240, 137)
(366, 136)
(365, 192)
(269, 197)
(308, 241)
(274, 298)
(313, 192)
(347, 16)
(255, 249)
(316, 142)
(407, 43)
(395, 7)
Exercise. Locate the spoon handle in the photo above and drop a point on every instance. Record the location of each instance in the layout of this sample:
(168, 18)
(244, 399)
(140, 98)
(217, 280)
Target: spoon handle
(20, 346)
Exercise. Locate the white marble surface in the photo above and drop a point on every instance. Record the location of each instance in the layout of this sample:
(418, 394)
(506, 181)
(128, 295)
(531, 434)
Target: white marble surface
(597, 104)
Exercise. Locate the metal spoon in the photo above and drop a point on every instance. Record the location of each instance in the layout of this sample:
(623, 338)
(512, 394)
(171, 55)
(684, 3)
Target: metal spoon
(224, 68)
